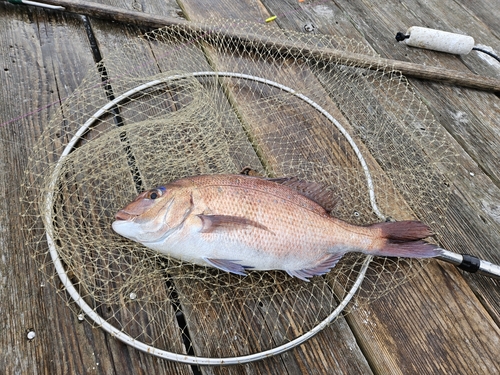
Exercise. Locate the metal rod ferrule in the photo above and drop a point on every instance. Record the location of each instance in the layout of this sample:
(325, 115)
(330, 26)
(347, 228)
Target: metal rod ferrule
(470, 263)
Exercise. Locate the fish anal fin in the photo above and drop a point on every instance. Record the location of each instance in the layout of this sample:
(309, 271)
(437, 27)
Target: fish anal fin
(312, 190)
(320, 269)
(227, 265)
(212, 223)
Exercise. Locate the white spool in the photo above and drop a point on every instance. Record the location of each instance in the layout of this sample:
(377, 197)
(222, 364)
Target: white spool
(438, 40)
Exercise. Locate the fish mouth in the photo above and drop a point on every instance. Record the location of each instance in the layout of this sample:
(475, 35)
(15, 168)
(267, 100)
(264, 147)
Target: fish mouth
(123, 215)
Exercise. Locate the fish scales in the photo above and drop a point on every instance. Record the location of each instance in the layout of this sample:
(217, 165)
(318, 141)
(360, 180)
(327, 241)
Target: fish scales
(296, 226)
(238, 222)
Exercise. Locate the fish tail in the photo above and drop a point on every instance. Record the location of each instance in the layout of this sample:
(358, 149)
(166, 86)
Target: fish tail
(403, 239)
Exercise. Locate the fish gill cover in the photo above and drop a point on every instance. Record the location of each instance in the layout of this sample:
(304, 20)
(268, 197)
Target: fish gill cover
(197, 102)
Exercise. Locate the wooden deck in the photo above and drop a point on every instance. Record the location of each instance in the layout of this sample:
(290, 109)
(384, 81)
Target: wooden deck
(441, 322)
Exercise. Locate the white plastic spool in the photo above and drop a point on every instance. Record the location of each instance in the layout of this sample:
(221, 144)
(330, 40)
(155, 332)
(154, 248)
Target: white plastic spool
(438, 40)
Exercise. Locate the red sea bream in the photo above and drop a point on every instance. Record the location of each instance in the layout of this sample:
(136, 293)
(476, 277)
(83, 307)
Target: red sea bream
(238, 223)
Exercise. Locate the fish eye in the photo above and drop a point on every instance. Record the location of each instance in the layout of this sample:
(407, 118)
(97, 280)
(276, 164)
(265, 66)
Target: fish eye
(155, 194)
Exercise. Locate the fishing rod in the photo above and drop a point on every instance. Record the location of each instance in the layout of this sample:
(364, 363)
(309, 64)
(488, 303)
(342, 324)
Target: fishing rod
(267, 43)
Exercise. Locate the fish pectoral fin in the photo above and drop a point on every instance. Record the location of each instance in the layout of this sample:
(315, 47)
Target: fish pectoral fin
(320, 269)
(211, 223)
(227, 265)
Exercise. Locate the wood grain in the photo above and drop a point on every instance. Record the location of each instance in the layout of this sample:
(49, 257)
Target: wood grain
(487, 13)
(39, 56)
(460, 215)
(474, 221)
(413, 70)
(436, 323)
(32, 306)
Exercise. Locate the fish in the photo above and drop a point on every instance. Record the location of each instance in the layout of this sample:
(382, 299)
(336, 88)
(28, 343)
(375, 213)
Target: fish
(237, 223)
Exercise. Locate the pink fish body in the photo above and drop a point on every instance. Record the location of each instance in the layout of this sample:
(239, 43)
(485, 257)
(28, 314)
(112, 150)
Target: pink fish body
(238, 222)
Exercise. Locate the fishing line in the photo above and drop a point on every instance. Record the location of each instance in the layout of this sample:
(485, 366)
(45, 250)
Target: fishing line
(489, 53)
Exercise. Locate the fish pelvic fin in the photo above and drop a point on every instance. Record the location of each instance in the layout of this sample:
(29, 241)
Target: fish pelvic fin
(227, 265)
(212, 223)
(403, 239)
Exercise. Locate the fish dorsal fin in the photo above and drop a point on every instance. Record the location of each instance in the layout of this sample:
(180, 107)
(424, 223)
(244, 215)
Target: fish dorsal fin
(312, 190)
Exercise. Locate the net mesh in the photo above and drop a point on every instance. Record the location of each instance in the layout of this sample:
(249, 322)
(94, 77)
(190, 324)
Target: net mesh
(182, 114)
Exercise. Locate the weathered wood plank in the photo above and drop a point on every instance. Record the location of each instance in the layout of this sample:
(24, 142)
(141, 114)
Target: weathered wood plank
(263, 140)
(251, 114)
(39, 56)
(384, 360)
(409, 333)
(164, 8)
(451, 16)
(477, 111)
(387, 328)
(485, 11)
(30, 65)
(410, 69)
(476, 134)
(204, 317)
(207, 324)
